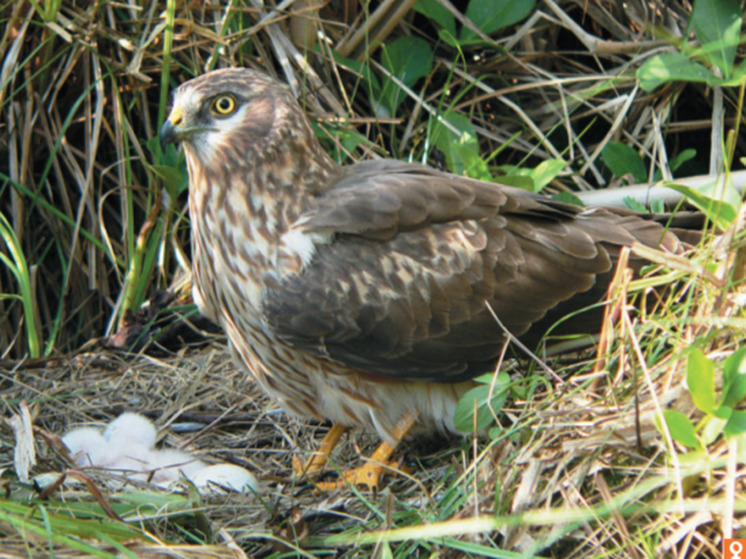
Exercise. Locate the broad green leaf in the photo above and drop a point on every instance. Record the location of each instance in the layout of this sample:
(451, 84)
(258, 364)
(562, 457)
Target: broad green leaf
(408, 58)
(722, 191)
(531, 179)
(516, 176)
(485, 378)
(677, 161)
(568, 198)
(458, 141)
(635, 205)
(621, 159)
(493, 15)
(736, 424)
(435, 11)
(700, 376)
(667, 67)
(718, 200)
(717, 24)
(523, 181)
(546, 171)
(734, 378)
(681, 429)
(479, 400)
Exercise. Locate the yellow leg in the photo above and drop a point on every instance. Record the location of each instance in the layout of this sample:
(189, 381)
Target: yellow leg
(321, 456)
(379, 463)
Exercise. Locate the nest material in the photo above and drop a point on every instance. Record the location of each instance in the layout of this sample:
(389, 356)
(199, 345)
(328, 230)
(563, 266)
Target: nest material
(564, 452)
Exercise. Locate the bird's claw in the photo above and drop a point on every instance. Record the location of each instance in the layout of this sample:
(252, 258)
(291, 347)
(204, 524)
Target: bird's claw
(367, 475)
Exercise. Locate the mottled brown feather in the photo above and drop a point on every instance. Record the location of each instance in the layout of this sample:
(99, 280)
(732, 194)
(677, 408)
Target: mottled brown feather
(359, 293)
(466, 243)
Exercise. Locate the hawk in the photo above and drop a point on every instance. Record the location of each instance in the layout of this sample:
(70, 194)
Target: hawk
(362, 293)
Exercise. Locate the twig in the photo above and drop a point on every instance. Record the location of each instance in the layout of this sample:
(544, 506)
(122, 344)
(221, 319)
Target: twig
(612, 130)
(374, 29)
(647, 193)
(511, 338)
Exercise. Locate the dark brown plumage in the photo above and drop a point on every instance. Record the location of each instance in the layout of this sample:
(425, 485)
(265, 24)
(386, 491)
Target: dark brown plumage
(359, 293)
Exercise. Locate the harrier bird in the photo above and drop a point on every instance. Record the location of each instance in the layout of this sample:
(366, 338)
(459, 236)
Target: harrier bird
(362, 293)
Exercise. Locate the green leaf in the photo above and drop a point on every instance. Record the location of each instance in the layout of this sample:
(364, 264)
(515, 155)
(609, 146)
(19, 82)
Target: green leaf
(173, 177)
(531, 179)
(700, 376)
(681, 158)
(18, 266)
(523, 181)
(568, 198)
(734, 378)
(435, 11)
(736, 424)
(621, 159)
(681, 429)
(667, 67)
(635, 205)
(492, 15)
(546, 171)
(717, 24)
(479, 400)
(718, 200)
(448, 38)
(713, 425)
(408, 58)
(485, 378)
(454, 135)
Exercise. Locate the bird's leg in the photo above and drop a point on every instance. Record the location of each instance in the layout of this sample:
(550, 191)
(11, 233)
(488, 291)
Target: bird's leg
(379, 462)
(319, 458)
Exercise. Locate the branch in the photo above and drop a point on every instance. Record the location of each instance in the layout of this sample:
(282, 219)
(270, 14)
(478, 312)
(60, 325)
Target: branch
(649, 192)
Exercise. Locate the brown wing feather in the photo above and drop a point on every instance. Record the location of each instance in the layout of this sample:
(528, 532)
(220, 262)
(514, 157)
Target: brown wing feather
(379, 199)
(401, 289)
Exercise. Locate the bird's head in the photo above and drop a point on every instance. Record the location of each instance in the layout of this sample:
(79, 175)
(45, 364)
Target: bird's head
(235, 112)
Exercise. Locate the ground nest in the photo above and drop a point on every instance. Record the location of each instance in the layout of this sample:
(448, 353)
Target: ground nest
(570, 97)
(576, 442)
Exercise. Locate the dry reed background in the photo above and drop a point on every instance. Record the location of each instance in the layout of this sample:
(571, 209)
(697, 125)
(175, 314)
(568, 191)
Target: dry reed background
(579, 469)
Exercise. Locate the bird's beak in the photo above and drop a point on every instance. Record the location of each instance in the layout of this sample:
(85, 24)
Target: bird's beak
(172, 130)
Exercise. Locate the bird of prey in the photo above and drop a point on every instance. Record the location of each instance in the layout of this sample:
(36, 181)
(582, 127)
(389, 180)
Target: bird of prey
(362, 293)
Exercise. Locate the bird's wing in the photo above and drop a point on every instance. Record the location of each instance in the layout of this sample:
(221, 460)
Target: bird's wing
(381, 198)
(403, 287)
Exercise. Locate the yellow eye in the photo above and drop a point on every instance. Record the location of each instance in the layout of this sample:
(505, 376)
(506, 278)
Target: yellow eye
(223, 105)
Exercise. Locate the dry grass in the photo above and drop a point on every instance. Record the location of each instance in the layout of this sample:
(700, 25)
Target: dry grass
(579, 468)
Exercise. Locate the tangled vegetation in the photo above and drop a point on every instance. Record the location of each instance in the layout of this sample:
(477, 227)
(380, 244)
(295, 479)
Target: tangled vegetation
(633, 450)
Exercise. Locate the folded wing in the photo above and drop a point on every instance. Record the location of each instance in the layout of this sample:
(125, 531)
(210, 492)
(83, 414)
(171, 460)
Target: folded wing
(416, 257)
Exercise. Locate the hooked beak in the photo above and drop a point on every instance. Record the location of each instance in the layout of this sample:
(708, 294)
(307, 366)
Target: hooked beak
(172, 130)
